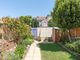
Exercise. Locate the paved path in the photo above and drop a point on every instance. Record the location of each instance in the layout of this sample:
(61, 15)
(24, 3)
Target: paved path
(33, 53)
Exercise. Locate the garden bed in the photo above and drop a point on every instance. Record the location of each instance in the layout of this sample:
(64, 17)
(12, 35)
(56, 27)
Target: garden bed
(12, 51)
(5, 48)
(72, 47)
(70, 50)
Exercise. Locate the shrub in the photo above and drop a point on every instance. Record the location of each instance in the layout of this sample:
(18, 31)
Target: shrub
(20, 49)
(10, 56)
(16, 30)
(19, 32)
(27, 41)
(75, 46)
(19, 52)
(0, 36)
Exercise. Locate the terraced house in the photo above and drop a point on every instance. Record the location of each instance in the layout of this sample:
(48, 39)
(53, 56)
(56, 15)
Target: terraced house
(43, 20)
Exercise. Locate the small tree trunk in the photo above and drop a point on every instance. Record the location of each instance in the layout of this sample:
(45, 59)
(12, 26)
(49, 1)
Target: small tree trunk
(62, 34)
(69, 36)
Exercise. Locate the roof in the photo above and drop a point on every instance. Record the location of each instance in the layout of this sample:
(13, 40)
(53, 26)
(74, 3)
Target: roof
(41, 18)
(56, 27)
(47, 27)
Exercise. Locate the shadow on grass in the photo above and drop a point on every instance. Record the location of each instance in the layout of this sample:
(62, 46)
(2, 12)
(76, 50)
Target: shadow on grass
(50, 47)
(56, 48)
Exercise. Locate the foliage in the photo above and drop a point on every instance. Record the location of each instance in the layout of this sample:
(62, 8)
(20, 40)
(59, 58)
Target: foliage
(0, 36)
(19, 52)
(1, 24)
(27, 41)
(75, 46)
(35, 23)
(26, 19)
(11, 56)
(66, 15)
(29, 21)
(51, 23)
(16, 30)
(20, 49)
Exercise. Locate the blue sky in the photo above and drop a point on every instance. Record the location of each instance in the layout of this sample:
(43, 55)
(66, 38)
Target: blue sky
(15, 8)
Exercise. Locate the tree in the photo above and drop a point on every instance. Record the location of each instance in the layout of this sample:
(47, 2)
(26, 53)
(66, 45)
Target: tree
(66, 14)
(35, 23)
(26, 19)
(51, 23)
(15, 30)
(29, 21)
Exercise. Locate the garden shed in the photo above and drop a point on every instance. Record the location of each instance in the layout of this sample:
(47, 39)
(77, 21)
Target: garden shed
(46, 32)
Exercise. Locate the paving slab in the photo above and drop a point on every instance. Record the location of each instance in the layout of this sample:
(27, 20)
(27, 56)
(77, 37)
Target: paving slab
(34, 52)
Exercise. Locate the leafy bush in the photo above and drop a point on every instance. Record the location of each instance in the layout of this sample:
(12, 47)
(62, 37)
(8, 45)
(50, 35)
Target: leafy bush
(19, 52)
(0, 35)
(20, 49)
(27, 41)
(19, 32)
(16, 30)
(75, 46)
(10, 56)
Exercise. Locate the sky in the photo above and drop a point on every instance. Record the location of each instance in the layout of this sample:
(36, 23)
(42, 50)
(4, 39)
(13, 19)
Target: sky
(15, 8)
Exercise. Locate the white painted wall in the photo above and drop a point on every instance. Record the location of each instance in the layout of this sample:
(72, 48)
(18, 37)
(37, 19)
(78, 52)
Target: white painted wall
(42, 31)
(45, 32)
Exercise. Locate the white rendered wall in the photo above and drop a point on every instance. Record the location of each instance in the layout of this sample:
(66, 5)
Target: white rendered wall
(42, 32)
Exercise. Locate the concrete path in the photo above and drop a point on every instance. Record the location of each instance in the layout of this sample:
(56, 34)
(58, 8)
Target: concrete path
(34, 52)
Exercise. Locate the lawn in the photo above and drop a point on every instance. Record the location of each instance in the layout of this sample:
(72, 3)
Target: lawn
(50, 51)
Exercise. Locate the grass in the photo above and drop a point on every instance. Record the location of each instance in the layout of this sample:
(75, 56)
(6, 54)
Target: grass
(50, 51)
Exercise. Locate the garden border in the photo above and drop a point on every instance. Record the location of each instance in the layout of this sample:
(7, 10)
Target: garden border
(72, 52)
